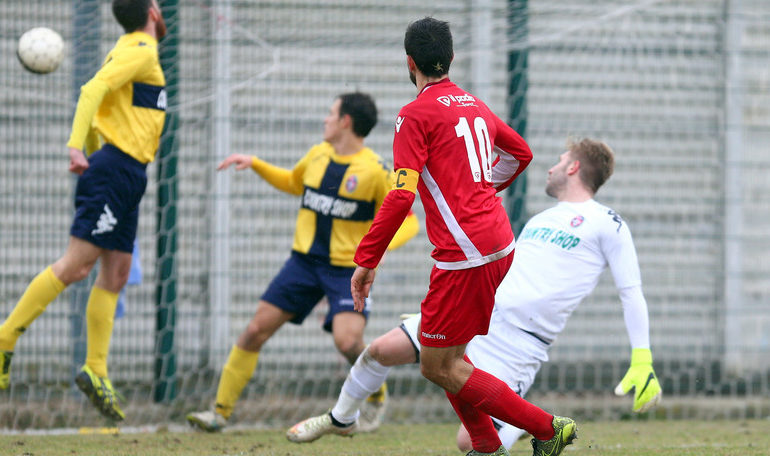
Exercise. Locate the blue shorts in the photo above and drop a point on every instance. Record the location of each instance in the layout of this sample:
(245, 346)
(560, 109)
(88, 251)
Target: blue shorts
(304, 280)
(107, 199)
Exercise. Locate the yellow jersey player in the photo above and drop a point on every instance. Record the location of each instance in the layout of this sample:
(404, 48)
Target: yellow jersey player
(120, 112)
(342, 184)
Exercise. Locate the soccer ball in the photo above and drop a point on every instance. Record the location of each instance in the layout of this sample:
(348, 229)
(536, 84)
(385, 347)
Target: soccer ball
(41, 50)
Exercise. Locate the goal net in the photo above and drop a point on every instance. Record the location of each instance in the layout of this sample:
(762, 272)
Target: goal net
(678, 88)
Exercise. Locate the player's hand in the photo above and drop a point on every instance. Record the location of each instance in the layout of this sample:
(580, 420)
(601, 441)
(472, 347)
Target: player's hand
(78, 161)
(641, 378)
(360, 284)
(241, 161)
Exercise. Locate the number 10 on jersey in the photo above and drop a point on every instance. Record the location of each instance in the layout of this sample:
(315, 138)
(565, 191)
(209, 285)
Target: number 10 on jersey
(481, 162)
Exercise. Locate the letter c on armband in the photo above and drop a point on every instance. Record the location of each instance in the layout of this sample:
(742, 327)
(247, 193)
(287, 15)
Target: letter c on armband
(406, 179)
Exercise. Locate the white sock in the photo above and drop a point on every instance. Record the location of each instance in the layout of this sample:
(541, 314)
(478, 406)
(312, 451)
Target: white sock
(365, 378)
(509, 435)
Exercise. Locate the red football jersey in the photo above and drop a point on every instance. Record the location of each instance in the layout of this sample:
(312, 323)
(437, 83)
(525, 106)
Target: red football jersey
(448, 136)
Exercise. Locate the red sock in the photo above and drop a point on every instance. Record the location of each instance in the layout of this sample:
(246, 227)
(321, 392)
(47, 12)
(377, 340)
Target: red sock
(490, 395)
(484, 437)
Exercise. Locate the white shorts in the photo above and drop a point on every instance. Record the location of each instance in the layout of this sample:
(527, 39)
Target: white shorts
(506, 351)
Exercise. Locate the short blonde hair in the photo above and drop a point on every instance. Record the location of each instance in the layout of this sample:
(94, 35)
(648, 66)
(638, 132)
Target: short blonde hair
(597, 161)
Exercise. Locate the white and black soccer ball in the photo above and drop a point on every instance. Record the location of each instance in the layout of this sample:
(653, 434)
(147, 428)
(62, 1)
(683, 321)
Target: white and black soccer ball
(40, 50)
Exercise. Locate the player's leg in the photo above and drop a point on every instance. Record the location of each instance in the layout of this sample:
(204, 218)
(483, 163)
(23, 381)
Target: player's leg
(244, 355)
(512, 355)
(508, 436)
(485, 393)
(100, 313)
(240, 366)
(445, 367)
(107, 201)
(290, 297)
(100, 310)
(73, 266)
(348, 334)
(449, 321)
(347, 327)
(365, 377)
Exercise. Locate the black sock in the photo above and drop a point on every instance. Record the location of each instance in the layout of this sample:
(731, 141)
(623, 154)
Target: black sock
(337, 423)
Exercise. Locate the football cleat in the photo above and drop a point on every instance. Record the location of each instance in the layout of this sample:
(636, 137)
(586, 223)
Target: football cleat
(209, 421)
(101, 393)
(500, 452)
(373, 410)
(565, 431)
(314, 428)
(5, 368)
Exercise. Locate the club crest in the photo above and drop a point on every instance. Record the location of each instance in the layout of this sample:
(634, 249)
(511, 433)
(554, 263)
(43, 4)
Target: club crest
(577, 221)
(351, 183)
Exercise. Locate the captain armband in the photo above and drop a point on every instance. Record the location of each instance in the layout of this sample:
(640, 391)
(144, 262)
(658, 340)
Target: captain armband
(406, 179)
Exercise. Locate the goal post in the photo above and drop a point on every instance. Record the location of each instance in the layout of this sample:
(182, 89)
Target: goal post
(165, 387)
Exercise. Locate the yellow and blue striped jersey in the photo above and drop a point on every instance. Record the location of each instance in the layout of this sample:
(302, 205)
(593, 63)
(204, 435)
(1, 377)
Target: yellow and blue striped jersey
(129, 91)
(340, 195)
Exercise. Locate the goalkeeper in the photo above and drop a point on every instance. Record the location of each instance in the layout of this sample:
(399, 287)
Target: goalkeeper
(560, 255)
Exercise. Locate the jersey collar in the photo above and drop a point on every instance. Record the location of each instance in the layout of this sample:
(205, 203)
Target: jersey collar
(431, 84)
(140, 36)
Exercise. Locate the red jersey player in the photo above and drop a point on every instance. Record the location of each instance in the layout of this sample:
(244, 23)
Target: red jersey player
(443, 148)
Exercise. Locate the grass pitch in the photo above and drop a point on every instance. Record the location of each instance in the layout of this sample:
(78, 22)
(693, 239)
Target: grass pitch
(625, 438)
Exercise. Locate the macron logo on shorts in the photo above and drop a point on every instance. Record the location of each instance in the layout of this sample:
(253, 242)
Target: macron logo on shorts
(106, 222)
(433, 336)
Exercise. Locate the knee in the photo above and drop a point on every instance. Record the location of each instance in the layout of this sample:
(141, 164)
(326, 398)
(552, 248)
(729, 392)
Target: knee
(432, 373)
(69, 271)
(378, 350)
(463, 440)
(118, 278)
(349, 346)
(78, 273)
(253, 337)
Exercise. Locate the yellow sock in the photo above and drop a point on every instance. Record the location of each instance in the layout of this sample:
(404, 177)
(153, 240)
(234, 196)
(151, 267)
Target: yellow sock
(100, 313)
(43, 289)
(236, 374)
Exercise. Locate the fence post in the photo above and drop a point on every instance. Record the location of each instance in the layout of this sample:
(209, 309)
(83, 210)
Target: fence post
(518, 61)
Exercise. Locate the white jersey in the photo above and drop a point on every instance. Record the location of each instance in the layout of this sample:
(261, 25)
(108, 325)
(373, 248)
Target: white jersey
(559, 257)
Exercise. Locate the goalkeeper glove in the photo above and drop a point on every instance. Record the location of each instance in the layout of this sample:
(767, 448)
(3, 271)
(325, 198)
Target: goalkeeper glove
(641, 377)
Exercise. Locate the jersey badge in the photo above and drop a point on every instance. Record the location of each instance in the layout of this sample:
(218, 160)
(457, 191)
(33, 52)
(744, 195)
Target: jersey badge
(577, 221)
(399, 121)
(351, 183)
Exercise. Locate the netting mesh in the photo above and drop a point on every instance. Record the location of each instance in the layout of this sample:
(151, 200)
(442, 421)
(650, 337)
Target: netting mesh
(652, 78)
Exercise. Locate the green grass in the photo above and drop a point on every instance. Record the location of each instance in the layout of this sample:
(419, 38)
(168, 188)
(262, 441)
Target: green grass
(625, 438)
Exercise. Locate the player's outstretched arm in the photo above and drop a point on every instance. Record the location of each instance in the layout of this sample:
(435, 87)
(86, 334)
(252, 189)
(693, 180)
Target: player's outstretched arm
(642, 379)
(241, 162)
(280, 178)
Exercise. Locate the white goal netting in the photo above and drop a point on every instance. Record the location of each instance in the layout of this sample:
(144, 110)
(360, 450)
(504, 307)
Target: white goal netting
(678, 88)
